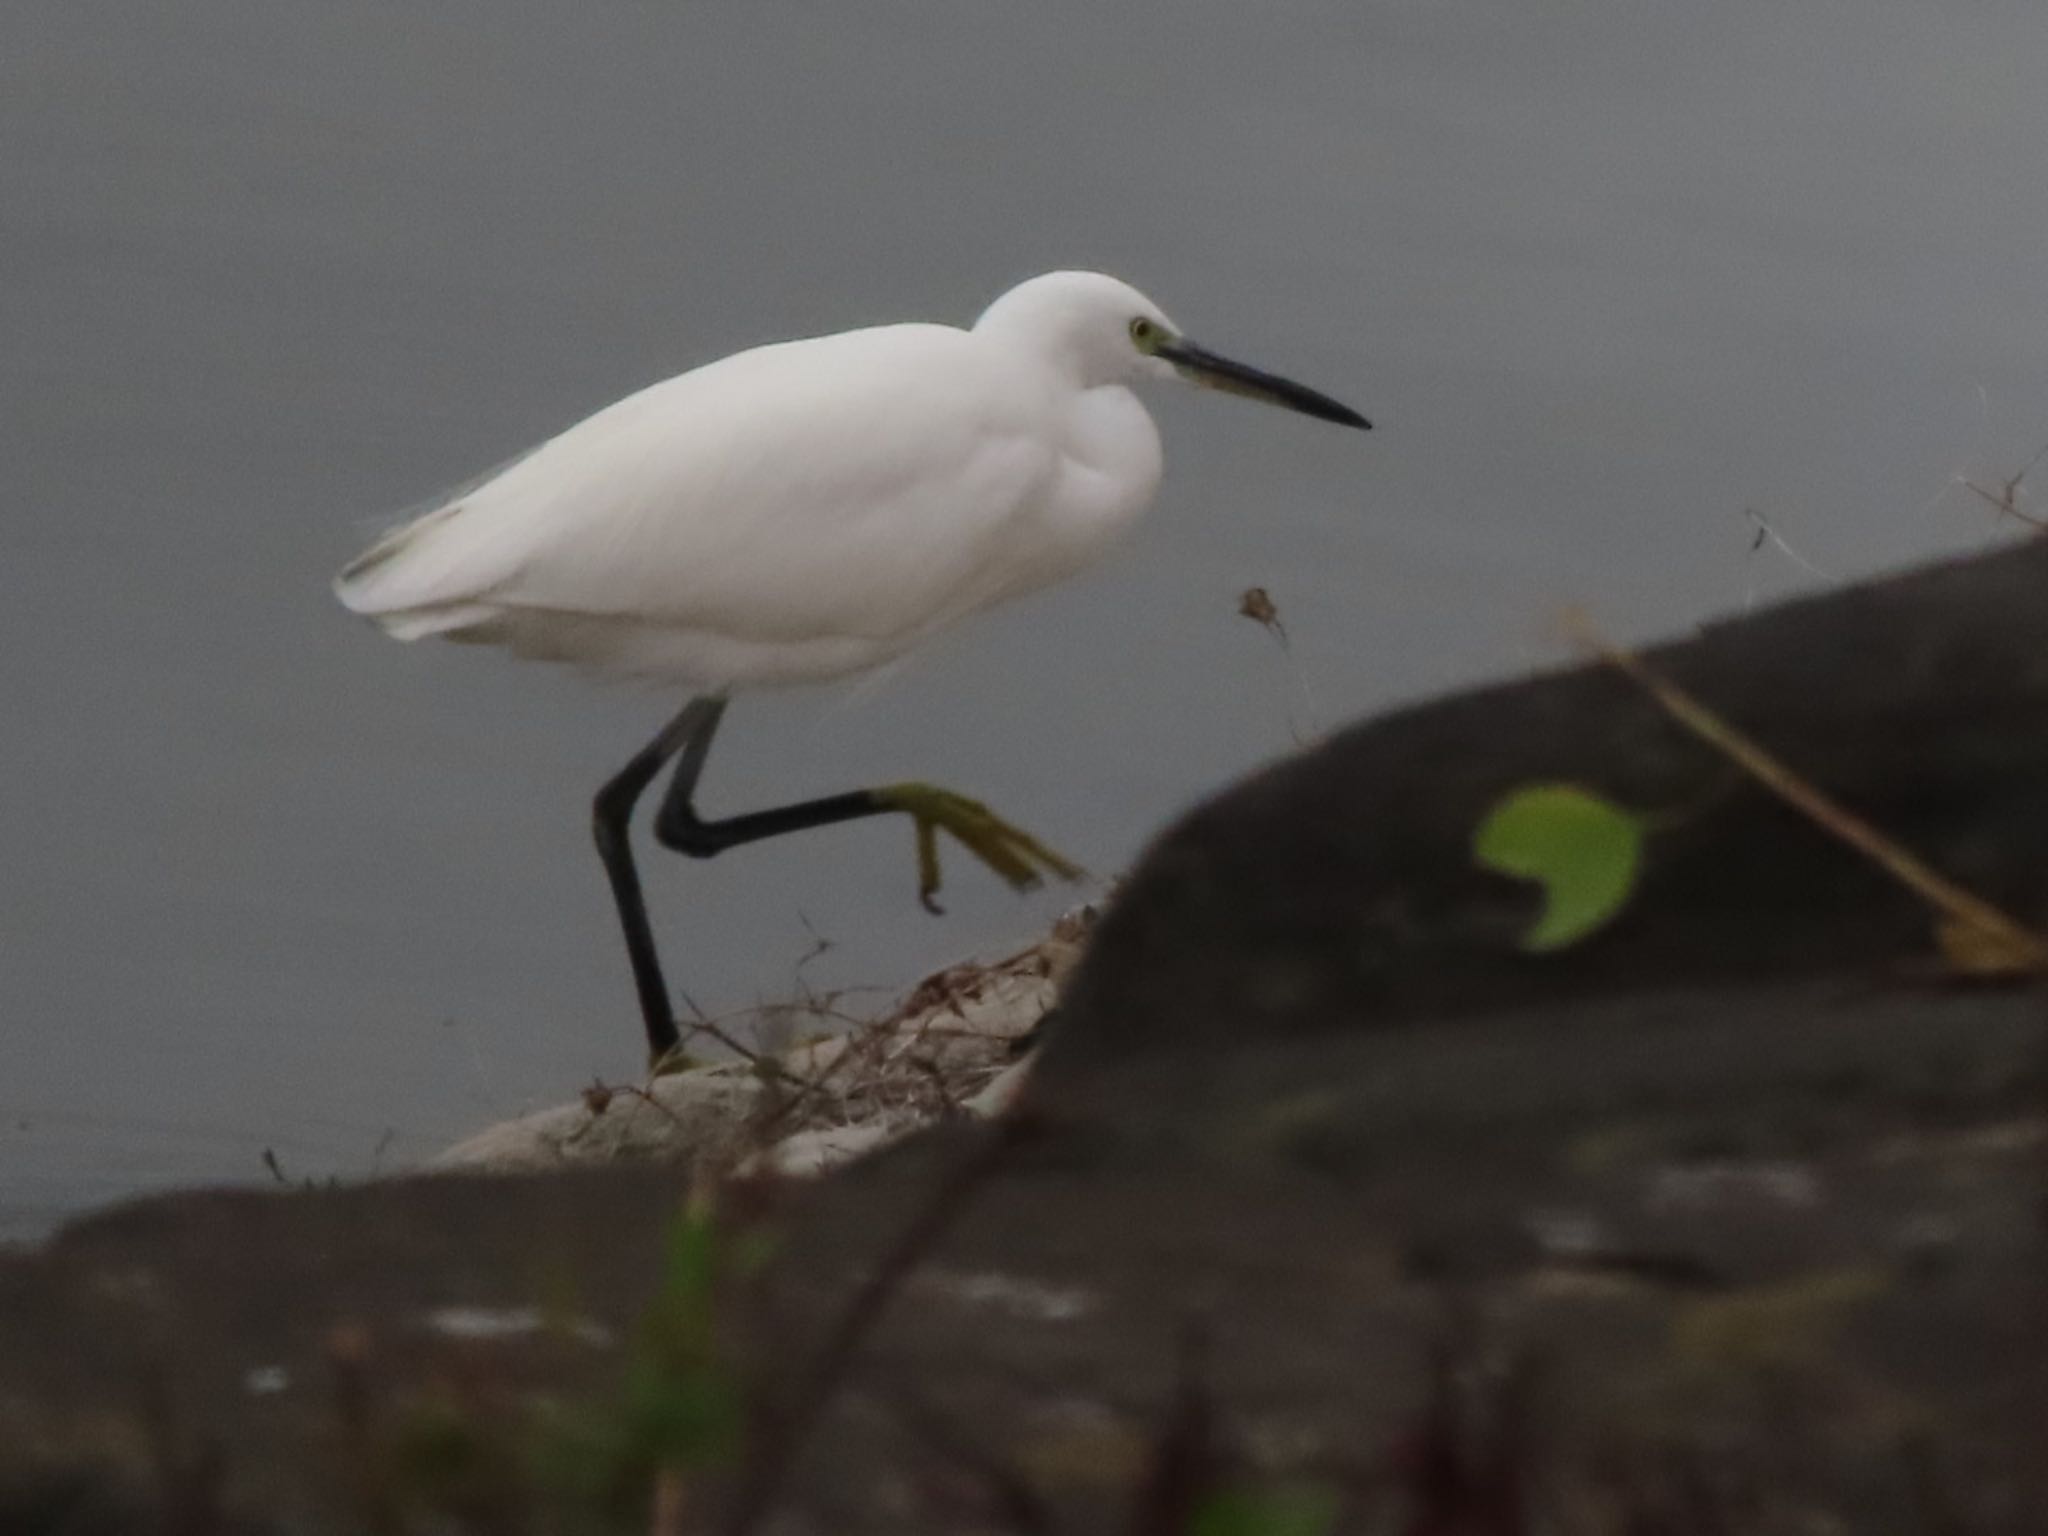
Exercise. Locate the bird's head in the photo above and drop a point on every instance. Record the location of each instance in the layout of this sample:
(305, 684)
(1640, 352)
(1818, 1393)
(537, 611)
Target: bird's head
(1103, 331)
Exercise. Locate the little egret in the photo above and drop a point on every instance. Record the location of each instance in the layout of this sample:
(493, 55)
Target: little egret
(802, 511)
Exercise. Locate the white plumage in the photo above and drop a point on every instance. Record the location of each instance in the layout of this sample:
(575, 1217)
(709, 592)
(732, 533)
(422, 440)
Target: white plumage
(801, 510)
(798, 512)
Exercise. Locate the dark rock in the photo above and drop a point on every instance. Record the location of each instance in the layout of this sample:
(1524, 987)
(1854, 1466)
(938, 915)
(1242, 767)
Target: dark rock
(1336, 892)
(1729, 1219)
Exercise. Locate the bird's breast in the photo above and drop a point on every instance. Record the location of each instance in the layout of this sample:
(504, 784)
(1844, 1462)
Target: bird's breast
(1108, 475)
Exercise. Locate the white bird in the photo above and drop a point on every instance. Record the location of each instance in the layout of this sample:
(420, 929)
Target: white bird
(802, 511)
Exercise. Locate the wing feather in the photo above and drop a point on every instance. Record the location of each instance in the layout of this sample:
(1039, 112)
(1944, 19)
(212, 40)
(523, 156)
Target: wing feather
(867, 484)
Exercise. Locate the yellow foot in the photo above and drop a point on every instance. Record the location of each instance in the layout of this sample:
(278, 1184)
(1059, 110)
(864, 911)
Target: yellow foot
(1011, 852)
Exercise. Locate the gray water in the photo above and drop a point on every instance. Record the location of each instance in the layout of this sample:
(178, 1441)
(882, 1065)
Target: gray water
(1606, 274)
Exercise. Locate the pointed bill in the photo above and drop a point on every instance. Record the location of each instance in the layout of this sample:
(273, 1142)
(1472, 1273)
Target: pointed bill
(1198, 365)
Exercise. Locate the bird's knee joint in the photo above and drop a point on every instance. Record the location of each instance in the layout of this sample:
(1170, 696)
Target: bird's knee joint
(689, 836)
(607, 821)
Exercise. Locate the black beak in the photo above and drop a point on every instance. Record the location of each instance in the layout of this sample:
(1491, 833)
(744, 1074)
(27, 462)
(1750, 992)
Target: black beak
(1198, 365)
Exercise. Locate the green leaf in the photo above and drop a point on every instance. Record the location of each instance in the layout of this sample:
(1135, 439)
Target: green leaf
(1583, 850)
(1266, 1512)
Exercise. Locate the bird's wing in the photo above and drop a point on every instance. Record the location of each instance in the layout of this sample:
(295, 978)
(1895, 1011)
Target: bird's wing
(866, 484)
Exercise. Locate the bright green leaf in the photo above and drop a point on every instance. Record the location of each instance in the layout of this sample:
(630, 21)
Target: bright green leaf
(1582, 849)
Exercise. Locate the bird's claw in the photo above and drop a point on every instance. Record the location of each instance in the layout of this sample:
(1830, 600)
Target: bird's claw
(1014, 854)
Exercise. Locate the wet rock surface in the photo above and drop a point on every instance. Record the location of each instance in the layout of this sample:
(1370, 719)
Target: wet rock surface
(1727, 1220)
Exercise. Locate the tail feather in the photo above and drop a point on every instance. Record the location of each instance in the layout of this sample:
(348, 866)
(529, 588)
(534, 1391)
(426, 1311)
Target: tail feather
(450, 621)
(371, 583)
(431, 576)
(435, 572)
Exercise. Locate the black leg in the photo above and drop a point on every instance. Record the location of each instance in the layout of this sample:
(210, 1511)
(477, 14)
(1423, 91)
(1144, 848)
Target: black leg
(1013, 854)
(677, 824)
(610, 813)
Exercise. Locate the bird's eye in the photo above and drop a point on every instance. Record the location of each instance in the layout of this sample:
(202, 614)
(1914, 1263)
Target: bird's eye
(1144, 334)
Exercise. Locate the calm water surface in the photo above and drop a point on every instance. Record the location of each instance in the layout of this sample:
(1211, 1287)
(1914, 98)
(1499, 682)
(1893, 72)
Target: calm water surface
(1606, 275)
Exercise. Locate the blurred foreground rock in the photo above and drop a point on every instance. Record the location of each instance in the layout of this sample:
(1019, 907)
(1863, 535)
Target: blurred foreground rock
(1729, 1220)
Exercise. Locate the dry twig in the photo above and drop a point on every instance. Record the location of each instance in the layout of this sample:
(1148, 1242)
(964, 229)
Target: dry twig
(1972, 924)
